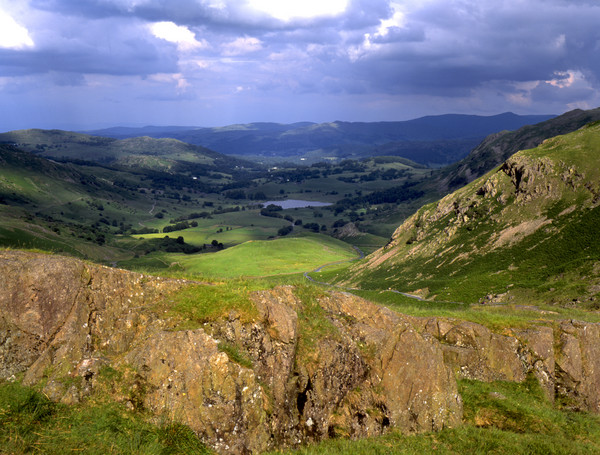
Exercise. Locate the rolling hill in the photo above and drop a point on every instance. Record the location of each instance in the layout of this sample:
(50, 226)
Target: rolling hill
(140, 152)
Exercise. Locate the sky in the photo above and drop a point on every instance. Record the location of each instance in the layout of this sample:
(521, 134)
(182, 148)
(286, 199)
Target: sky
(77, 64)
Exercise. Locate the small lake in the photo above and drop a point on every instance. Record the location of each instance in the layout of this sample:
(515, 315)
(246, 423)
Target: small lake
(295, 204)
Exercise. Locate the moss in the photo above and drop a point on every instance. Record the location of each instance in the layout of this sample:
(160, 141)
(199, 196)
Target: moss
(313, 322)
(236, 354)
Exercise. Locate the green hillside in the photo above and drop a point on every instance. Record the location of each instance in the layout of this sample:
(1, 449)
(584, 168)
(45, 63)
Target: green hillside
(156, 220)
(525, 232)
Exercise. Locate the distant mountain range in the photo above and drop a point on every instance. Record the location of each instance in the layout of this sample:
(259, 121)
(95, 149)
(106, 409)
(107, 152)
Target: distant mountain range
(433, 140)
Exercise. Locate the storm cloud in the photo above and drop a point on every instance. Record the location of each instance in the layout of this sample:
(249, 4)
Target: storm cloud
(216, 62)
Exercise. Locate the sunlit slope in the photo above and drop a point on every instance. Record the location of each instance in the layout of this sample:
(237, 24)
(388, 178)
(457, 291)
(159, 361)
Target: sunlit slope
(527, 231)
(267, 258)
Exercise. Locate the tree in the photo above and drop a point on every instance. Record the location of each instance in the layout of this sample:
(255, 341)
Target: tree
(285, 230)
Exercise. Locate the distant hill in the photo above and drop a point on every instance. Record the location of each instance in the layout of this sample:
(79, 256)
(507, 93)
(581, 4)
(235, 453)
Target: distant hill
(526, 231)
(62, 206)
(163, 154)
(436, 140)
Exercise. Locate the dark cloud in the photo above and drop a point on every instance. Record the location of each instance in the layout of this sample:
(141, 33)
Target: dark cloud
(99, 46)
(93, 9)
(460, 45)
(566, 94)
(142, 60)
(401, 34)
(512, 54)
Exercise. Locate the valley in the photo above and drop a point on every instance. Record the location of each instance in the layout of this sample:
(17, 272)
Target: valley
(227, 296)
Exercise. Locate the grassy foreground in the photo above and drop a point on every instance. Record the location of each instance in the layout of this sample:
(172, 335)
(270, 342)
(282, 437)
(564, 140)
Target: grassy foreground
(499, 418)
(30, 423)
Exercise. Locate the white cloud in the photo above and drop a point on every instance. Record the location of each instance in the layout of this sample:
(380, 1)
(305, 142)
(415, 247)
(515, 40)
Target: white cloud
(242, 45)
(169, 31)
(13, 35)
(286, 10)
(397, 20)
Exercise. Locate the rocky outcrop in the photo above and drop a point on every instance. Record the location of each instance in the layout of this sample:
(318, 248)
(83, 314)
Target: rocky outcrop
(303, 369)
(564, 357)
(79, 330)
(578, 365)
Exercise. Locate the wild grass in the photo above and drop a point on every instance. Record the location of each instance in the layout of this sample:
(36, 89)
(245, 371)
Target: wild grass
(197, 304)
(31, 423)
(495, 317)
(313, 322)
(235, 354)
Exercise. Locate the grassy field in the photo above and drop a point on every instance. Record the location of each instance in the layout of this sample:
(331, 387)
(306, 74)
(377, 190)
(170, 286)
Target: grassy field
(256, 258)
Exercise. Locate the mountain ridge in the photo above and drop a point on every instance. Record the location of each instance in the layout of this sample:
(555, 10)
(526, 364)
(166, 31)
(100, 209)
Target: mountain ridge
(474, 243)
(498, 147)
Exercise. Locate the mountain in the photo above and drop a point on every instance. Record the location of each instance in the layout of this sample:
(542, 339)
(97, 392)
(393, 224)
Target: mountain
(428, 140)
(498, 147)
(525, 232)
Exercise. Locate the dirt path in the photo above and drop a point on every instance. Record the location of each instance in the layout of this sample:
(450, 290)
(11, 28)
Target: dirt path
(360, 256)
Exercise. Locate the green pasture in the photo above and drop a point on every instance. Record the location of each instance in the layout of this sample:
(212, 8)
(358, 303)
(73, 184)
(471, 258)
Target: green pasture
(235, 227)
(258, 258)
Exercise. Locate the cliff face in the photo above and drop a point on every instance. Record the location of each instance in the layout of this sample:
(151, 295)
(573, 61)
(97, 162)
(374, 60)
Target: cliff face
(85, 332)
